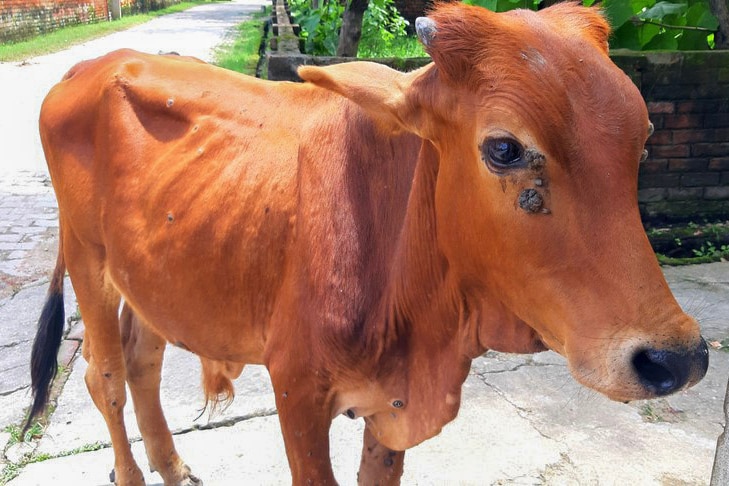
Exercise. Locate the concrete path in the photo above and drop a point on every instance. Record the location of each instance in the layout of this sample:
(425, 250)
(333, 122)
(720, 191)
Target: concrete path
(524, 420)
(195, 32)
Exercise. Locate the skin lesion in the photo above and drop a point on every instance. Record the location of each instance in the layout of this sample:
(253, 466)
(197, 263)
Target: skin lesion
(533, 198)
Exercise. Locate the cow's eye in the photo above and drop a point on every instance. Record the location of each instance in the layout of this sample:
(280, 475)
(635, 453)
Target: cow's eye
(502, 153)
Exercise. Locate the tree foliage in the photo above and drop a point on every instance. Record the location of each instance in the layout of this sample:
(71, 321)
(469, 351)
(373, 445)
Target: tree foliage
(644, 24)
(320, 26)
(637, 24)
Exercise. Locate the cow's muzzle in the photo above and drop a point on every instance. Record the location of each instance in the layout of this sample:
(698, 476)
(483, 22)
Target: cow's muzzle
(663, 371)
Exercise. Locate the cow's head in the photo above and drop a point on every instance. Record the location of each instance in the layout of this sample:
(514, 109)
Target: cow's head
(539, 137)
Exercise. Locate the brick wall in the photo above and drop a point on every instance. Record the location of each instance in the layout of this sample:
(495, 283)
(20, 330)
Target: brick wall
(686, 175)
(22, 19)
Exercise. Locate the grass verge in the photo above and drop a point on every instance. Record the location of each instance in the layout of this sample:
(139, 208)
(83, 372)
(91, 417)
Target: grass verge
(12, 470)
(400, 47)
(77, 34)
(241, 54)
(690, 243)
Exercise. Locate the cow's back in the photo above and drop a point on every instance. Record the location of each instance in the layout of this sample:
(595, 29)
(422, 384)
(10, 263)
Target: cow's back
(204, 188)
(185, 175)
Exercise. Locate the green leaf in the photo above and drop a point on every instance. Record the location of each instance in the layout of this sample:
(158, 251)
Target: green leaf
(699, 15)
(310, 23)
(665, 41)
(693, 41)
(489, 4)
(618, 12)
(626, 37)
(662, 9)
(647, 32)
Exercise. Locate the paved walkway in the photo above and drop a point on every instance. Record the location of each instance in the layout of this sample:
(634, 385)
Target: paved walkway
(28, 210)
(524, 420)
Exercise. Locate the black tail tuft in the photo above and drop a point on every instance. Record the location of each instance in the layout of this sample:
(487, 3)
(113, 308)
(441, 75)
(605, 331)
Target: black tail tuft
(43, 361)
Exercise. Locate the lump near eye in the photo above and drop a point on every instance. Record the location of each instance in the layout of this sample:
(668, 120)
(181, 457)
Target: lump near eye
(502, 154)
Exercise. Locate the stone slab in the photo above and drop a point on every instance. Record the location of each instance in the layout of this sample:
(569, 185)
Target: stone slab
(19, 315)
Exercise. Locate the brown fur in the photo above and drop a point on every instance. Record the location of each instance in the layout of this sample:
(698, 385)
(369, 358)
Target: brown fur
(348, 233)
(217, 382)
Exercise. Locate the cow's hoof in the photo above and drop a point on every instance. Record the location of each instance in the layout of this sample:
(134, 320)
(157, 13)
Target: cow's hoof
(191, 481)
(138, 480)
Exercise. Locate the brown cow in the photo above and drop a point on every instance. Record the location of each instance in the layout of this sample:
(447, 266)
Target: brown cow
(364, 235)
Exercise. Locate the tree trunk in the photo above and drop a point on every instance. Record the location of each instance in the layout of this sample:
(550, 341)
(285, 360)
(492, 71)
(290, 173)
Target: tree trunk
(720, 9)
(351, 31)
(115, 9)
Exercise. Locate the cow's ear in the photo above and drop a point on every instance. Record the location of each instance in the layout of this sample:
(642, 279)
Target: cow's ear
(378, 89)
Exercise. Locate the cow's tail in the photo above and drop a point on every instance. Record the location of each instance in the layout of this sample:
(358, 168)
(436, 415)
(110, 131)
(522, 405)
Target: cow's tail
(43, 360)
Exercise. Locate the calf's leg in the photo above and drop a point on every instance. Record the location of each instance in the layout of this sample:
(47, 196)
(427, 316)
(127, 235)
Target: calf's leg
(303, 413)
(379, 465)
(143, 354)
(105, 376)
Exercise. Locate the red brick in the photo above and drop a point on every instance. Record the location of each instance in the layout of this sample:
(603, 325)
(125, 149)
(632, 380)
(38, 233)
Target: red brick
(720, 192)
(669, 151)
(701, 106)
(661, 137)
(658, 180)
(710, 149)
(719, 163)
(691, 136)
(685, 193)
(651, 194)
(700, 179)
(687, 165)
(28, 18)
(683, 121)
(657, 121)
(718, 120)
(661, 107)
(652, 166)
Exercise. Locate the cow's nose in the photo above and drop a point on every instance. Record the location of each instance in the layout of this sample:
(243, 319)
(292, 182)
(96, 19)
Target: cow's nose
(662, 371)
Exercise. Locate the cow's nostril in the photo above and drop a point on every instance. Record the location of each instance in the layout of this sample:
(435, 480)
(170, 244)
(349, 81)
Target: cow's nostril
(662, 372)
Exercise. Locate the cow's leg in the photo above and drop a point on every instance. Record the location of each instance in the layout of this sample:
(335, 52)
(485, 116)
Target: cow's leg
(304, 416)
(143, 353)
(379, 465)
(105, 376)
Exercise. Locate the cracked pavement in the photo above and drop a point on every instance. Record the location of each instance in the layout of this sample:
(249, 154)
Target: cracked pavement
(523, 420)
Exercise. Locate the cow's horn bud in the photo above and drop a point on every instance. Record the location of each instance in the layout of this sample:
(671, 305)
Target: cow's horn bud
(426, 30)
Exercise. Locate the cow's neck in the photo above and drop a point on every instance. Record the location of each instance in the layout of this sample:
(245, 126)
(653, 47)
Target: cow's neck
(421, 333)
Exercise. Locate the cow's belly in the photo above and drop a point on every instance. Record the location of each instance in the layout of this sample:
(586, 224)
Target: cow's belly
(215, 307)
(204, 277)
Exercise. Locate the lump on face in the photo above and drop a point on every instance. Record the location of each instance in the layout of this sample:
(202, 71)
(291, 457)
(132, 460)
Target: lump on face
(531, 201)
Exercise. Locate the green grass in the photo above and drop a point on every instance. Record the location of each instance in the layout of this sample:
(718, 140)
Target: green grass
(12, 470)
(241, 54)
(401, 47)
(35, 431)
(63, 38)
